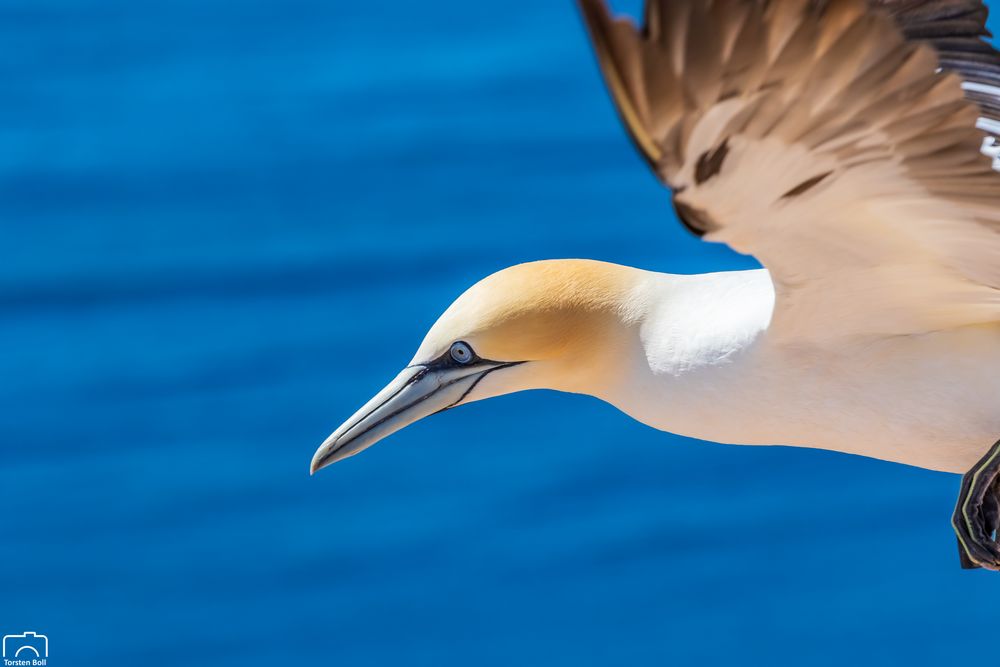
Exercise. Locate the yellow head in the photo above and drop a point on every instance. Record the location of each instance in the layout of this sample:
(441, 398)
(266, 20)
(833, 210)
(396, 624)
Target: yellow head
(560, 324)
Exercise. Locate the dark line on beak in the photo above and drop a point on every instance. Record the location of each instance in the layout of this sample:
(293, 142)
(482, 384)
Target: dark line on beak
(415, 378)
(478, 380)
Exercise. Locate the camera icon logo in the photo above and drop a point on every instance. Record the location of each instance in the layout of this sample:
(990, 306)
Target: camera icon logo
(25, 645)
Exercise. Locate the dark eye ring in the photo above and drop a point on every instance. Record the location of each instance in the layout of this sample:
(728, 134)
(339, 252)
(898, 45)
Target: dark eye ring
(461, 352)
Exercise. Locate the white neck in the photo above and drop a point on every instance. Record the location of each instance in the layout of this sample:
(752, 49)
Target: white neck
(688, 372)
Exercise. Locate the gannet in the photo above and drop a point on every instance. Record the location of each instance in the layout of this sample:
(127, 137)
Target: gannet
(851, 146)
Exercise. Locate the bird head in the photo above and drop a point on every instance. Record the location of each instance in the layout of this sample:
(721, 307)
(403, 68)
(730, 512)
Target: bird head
(557, 324)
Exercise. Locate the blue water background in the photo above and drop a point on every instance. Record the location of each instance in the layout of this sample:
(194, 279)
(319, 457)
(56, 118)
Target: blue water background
(225, 225)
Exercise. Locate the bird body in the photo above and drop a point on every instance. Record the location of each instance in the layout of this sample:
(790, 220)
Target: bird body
(706, 366)
(852, 146)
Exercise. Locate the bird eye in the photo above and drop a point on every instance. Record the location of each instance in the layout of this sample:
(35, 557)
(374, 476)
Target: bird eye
(461, 352)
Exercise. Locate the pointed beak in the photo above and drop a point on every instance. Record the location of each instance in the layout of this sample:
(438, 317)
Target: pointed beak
(419, 391)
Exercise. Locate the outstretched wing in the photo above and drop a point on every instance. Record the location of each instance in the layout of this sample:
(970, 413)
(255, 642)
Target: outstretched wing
(848, 145)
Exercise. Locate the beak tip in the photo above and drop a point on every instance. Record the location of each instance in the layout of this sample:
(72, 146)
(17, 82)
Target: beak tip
(317, 463)
(327, 454)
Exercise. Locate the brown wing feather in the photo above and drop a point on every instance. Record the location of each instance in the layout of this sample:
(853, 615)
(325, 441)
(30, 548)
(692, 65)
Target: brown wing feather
(957, 30)
(712, 51)
(823, 137)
